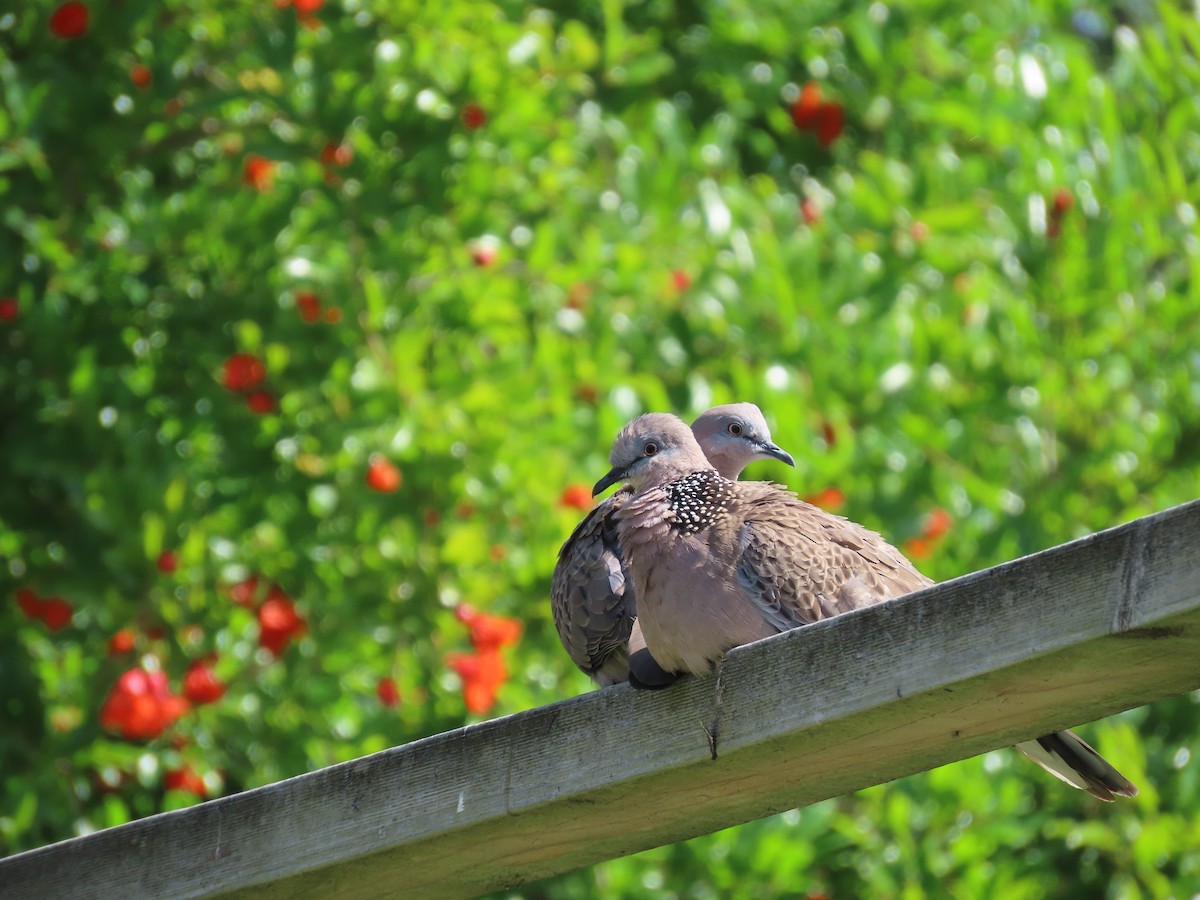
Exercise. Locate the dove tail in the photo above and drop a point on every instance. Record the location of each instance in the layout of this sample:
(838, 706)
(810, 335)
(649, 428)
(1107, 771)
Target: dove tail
(1067, 756)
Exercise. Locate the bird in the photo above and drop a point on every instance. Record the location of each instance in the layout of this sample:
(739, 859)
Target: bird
(716, 563)
(593, 604)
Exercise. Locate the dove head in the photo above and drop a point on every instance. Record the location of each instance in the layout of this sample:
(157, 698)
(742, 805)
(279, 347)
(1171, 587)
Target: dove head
(734, 435)
(651, 450)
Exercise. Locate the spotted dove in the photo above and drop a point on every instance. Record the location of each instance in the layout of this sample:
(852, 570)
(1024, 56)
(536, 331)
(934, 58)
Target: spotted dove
(717, 563)
(591, 597)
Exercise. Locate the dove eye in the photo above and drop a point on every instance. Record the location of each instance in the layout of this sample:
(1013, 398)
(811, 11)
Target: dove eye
(650, 449)
(735, 429)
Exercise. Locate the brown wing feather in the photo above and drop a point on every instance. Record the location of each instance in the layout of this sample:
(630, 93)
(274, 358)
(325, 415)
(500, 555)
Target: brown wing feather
(591, 595)
(800, 564)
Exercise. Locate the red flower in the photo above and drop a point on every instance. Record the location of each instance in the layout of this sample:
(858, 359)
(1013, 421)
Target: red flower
(576, 496)
(185, 779)
(309, 305)
(259, 173)
(200, 683)
(488, 632)
(484, 252)
(141, 706)
(824, 119)
(8, 309)
(121, 642)
(336, 154)
(389, 694)
(918, 548)
(681, 280)
(29, 603)
(69, 21)
(243, 371)
(382, 476)
(810, 210)
(54, 612)
(830, 499)
(831, 119)
(804, 110)
(483, 674)
(167, 562)
(278, 621)
(937, 525)
(307, 7)
(474, 116)
(1063, 203)
(245, 593)
(140, 76)
(260, 403)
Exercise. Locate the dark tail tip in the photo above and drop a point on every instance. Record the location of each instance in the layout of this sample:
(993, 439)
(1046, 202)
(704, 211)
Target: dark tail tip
(1087, 768)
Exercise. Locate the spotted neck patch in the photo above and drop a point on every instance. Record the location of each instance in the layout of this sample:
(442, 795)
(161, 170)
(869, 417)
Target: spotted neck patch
(698, 500)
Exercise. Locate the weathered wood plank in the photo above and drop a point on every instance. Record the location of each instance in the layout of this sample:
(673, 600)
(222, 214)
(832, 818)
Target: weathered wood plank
(1062, 637)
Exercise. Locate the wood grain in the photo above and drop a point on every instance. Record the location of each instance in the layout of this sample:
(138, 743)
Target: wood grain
(1062, 637)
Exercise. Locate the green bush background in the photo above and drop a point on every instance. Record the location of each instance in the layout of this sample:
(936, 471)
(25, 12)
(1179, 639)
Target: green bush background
(1038, 383)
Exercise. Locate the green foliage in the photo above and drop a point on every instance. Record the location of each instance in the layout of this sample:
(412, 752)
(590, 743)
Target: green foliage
(981, 297)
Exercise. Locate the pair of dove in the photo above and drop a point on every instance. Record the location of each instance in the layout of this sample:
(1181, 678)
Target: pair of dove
(684, 562)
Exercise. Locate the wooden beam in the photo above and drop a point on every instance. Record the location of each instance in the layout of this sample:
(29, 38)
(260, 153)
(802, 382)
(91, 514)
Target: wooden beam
(1083, 630)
